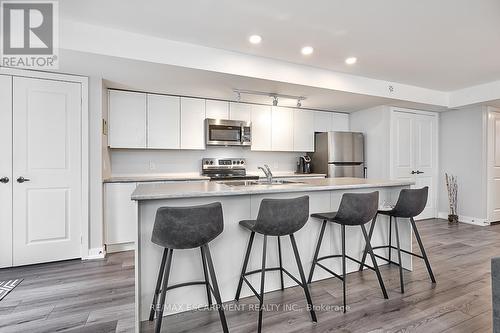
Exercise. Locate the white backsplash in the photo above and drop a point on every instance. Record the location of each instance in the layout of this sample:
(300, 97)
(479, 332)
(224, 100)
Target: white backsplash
(128, 161)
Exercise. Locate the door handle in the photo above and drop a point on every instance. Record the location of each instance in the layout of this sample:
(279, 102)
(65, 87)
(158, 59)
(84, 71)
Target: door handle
(418, 172)
(413, 172)
(22, 179)
(4, 180)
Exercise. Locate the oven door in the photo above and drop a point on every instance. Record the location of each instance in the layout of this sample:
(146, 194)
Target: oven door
(223, 132)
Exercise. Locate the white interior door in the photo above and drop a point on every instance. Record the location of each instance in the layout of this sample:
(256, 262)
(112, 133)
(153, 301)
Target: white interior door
(47, 151)
(402, 145)
(493, 166)
(425, 162)
(414, 147)
(6, 171)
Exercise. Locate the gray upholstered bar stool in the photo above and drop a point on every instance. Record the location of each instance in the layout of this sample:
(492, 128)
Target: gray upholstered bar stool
(178, 228)
(411, 202)
(356, 209)
(277, 217)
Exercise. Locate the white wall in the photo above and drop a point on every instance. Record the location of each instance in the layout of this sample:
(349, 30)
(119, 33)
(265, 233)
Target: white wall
(375, 124)
(189, 161)
(463, 153)
(95, 162)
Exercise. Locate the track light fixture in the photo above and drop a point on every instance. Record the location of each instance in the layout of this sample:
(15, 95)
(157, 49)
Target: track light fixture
(274, 96)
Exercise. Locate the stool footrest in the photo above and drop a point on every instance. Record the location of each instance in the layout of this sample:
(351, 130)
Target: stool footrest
(251, 288)
(185, 284)
(270, 269)
(395, 248)
(348, 257)
(330, 271)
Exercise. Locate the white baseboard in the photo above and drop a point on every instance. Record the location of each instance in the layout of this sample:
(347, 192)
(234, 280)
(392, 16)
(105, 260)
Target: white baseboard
(466, 219)
(95, 253)
(111, 248)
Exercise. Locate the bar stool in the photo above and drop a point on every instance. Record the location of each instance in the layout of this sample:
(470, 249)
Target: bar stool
(355, 209)
(277, 217)
(411, 202)
(177, 228)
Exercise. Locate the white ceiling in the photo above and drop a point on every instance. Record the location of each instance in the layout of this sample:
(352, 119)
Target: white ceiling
(145, 76)
(443, 45)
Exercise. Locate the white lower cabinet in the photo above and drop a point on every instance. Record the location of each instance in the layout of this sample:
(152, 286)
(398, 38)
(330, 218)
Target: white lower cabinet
(120, 213)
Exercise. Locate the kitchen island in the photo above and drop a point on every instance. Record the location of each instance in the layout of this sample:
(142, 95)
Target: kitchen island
(240, 201)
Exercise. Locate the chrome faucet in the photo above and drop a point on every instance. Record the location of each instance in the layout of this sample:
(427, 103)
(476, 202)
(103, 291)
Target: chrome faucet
(267, 171)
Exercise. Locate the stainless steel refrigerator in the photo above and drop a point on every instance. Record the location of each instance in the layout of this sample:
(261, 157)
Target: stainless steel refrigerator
(339, 154)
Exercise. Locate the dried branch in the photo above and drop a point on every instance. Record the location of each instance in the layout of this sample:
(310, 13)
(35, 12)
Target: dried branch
(452, 187)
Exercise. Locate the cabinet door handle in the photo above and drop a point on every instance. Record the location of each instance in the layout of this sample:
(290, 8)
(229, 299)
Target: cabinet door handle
(419, 172)
(22, 179)
(4, 180)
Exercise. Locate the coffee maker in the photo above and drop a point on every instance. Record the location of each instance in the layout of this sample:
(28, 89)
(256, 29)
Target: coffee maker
(304, 164)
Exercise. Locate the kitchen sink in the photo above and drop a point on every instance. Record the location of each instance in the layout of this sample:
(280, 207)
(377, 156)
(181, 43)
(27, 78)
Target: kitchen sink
(258, 182)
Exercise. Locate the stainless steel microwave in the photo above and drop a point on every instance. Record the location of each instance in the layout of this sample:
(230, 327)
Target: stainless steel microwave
(220, 132)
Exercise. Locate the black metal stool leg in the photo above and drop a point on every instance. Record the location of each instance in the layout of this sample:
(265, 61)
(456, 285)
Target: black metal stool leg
(303, 278)
(390, 237)
(316, 252)
(245, 264)
(262, 279)
(375, 266)
(281, 264)
(161, 304)
(205, 273)
(365, 252)
(215, 287)
(399, 255)
(343, 269)
(427, 263)
(158, 285)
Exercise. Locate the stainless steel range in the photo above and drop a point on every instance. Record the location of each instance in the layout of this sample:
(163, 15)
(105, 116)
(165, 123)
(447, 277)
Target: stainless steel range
(225, 169)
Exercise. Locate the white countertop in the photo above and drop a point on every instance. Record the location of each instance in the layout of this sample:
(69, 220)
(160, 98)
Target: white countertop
(144, 178)
(154, 177)
(209, 189)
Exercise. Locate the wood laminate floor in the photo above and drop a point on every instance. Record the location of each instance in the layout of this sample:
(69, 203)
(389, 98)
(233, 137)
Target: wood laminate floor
(97, 296)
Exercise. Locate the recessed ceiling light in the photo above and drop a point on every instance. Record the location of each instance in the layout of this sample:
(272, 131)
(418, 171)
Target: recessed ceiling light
(351, 60)
(307, 50)
(255, 39)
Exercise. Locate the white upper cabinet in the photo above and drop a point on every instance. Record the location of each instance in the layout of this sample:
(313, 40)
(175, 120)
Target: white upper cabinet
(240, 111)
(217, 109)
(127, 119)
(322, 121)
(330, 121)
(261, 127)
(340, 121)
(303, 130)
(164, 119)
(282, 129)
(192, 123)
